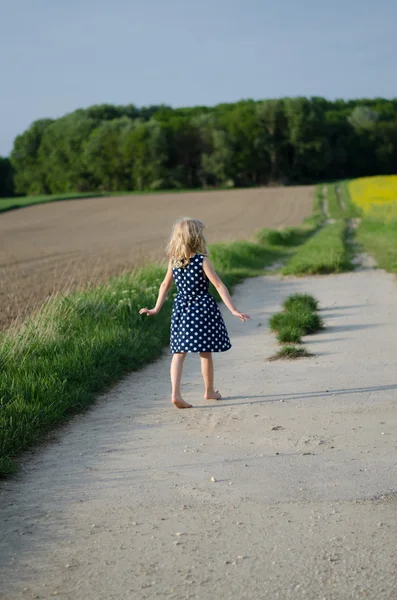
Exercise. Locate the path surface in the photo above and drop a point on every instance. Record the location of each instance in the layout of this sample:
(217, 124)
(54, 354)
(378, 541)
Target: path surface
(121, 504)
(54, 247)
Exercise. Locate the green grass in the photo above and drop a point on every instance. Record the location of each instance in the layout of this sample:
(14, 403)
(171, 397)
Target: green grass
(328, 250)
(340, 205)
(14, 203)
(375, 236)
(351, 210)
(290, 352)
(334, 206)
(289, 333)
(380, 240)
(325, 252)
(301, 301)
(77, 345)
(299, 318)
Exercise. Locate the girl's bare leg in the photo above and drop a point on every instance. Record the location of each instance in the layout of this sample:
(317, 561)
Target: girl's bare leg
(176, 376)
(207, 369)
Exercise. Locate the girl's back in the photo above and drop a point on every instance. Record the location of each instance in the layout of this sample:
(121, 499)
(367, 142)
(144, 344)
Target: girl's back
(191, 280)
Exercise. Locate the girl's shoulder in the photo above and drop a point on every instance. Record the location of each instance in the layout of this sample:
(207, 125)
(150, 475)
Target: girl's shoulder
(199, 258)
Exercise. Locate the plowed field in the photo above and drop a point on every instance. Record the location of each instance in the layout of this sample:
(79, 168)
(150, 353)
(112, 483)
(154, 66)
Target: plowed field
(49, 248)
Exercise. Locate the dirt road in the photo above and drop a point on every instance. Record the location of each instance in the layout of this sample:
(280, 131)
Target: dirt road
(122, 504)
(53, 247)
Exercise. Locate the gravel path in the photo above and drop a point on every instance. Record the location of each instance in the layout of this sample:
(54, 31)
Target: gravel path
(121, 504)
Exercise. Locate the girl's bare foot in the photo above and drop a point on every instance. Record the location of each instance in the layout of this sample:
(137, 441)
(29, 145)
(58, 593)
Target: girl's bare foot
(180, 403)
(213, 395)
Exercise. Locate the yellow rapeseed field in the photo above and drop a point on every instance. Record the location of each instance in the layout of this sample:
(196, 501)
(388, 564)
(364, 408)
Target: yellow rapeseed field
(376, 196)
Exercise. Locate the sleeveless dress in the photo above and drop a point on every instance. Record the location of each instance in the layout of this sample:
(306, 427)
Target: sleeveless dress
(196, 324)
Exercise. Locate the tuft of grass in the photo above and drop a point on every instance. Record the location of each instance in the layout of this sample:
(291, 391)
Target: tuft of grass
(301, 301)
(290, 352)
(277, 321)
(307, 320)
(325, 252)
(299, 318)
(289, 333)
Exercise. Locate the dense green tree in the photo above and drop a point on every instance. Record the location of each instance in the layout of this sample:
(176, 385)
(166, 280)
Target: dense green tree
(310, 149)
(60, 154)
(144, 150)
(103, 156)
(216, 163)
(250, 158)
(273, 134)
(28, 173)
(290, 140)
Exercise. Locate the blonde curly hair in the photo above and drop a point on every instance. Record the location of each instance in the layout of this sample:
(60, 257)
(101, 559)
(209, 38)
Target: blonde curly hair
(187, 238)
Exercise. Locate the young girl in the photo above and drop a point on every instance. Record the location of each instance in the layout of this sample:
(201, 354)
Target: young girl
(197, 324)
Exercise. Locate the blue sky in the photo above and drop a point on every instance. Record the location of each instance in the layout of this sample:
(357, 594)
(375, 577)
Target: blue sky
(58, 56)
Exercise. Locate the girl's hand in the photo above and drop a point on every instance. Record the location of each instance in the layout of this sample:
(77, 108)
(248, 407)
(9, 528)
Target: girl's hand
(148, 311)
(242, 316)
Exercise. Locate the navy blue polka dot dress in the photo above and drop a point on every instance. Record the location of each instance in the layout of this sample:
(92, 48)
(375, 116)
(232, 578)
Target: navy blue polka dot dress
(197, 324)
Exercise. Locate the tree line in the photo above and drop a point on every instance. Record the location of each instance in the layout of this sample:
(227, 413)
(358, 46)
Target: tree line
(248, 143)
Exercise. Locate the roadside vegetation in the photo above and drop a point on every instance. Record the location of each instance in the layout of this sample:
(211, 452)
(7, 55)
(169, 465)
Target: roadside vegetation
(376, 198)
(329, 250)
(14, 203)
(298, 318)
(56, 363)
(326, 252)
(291, 352)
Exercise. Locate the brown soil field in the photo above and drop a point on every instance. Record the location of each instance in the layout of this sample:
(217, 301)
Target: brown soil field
(51, 248)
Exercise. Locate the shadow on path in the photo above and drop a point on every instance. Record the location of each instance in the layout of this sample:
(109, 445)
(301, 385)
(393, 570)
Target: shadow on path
(297, 396)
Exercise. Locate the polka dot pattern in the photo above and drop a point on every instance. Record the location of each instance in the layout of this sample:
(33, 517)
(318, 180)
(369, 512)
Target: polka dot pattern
(197, 324)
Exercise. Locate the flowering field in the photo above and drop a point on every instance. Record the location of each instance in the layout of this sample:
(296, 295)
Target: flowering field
(376, 196)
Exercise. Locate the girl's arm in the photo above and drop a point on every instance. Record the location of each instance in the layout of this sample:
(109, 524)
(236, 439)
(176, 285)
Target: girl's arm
(222, 290)
(163, 293)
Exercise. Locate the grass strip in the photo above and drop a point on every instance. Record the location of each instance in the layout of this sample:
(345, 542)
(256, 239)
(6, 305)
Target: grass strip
(55, 364)
(335, 207)
(290, 352)
(325, 252)
(14, 203)
(380, 240)
(376, 236)
(351, 211)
